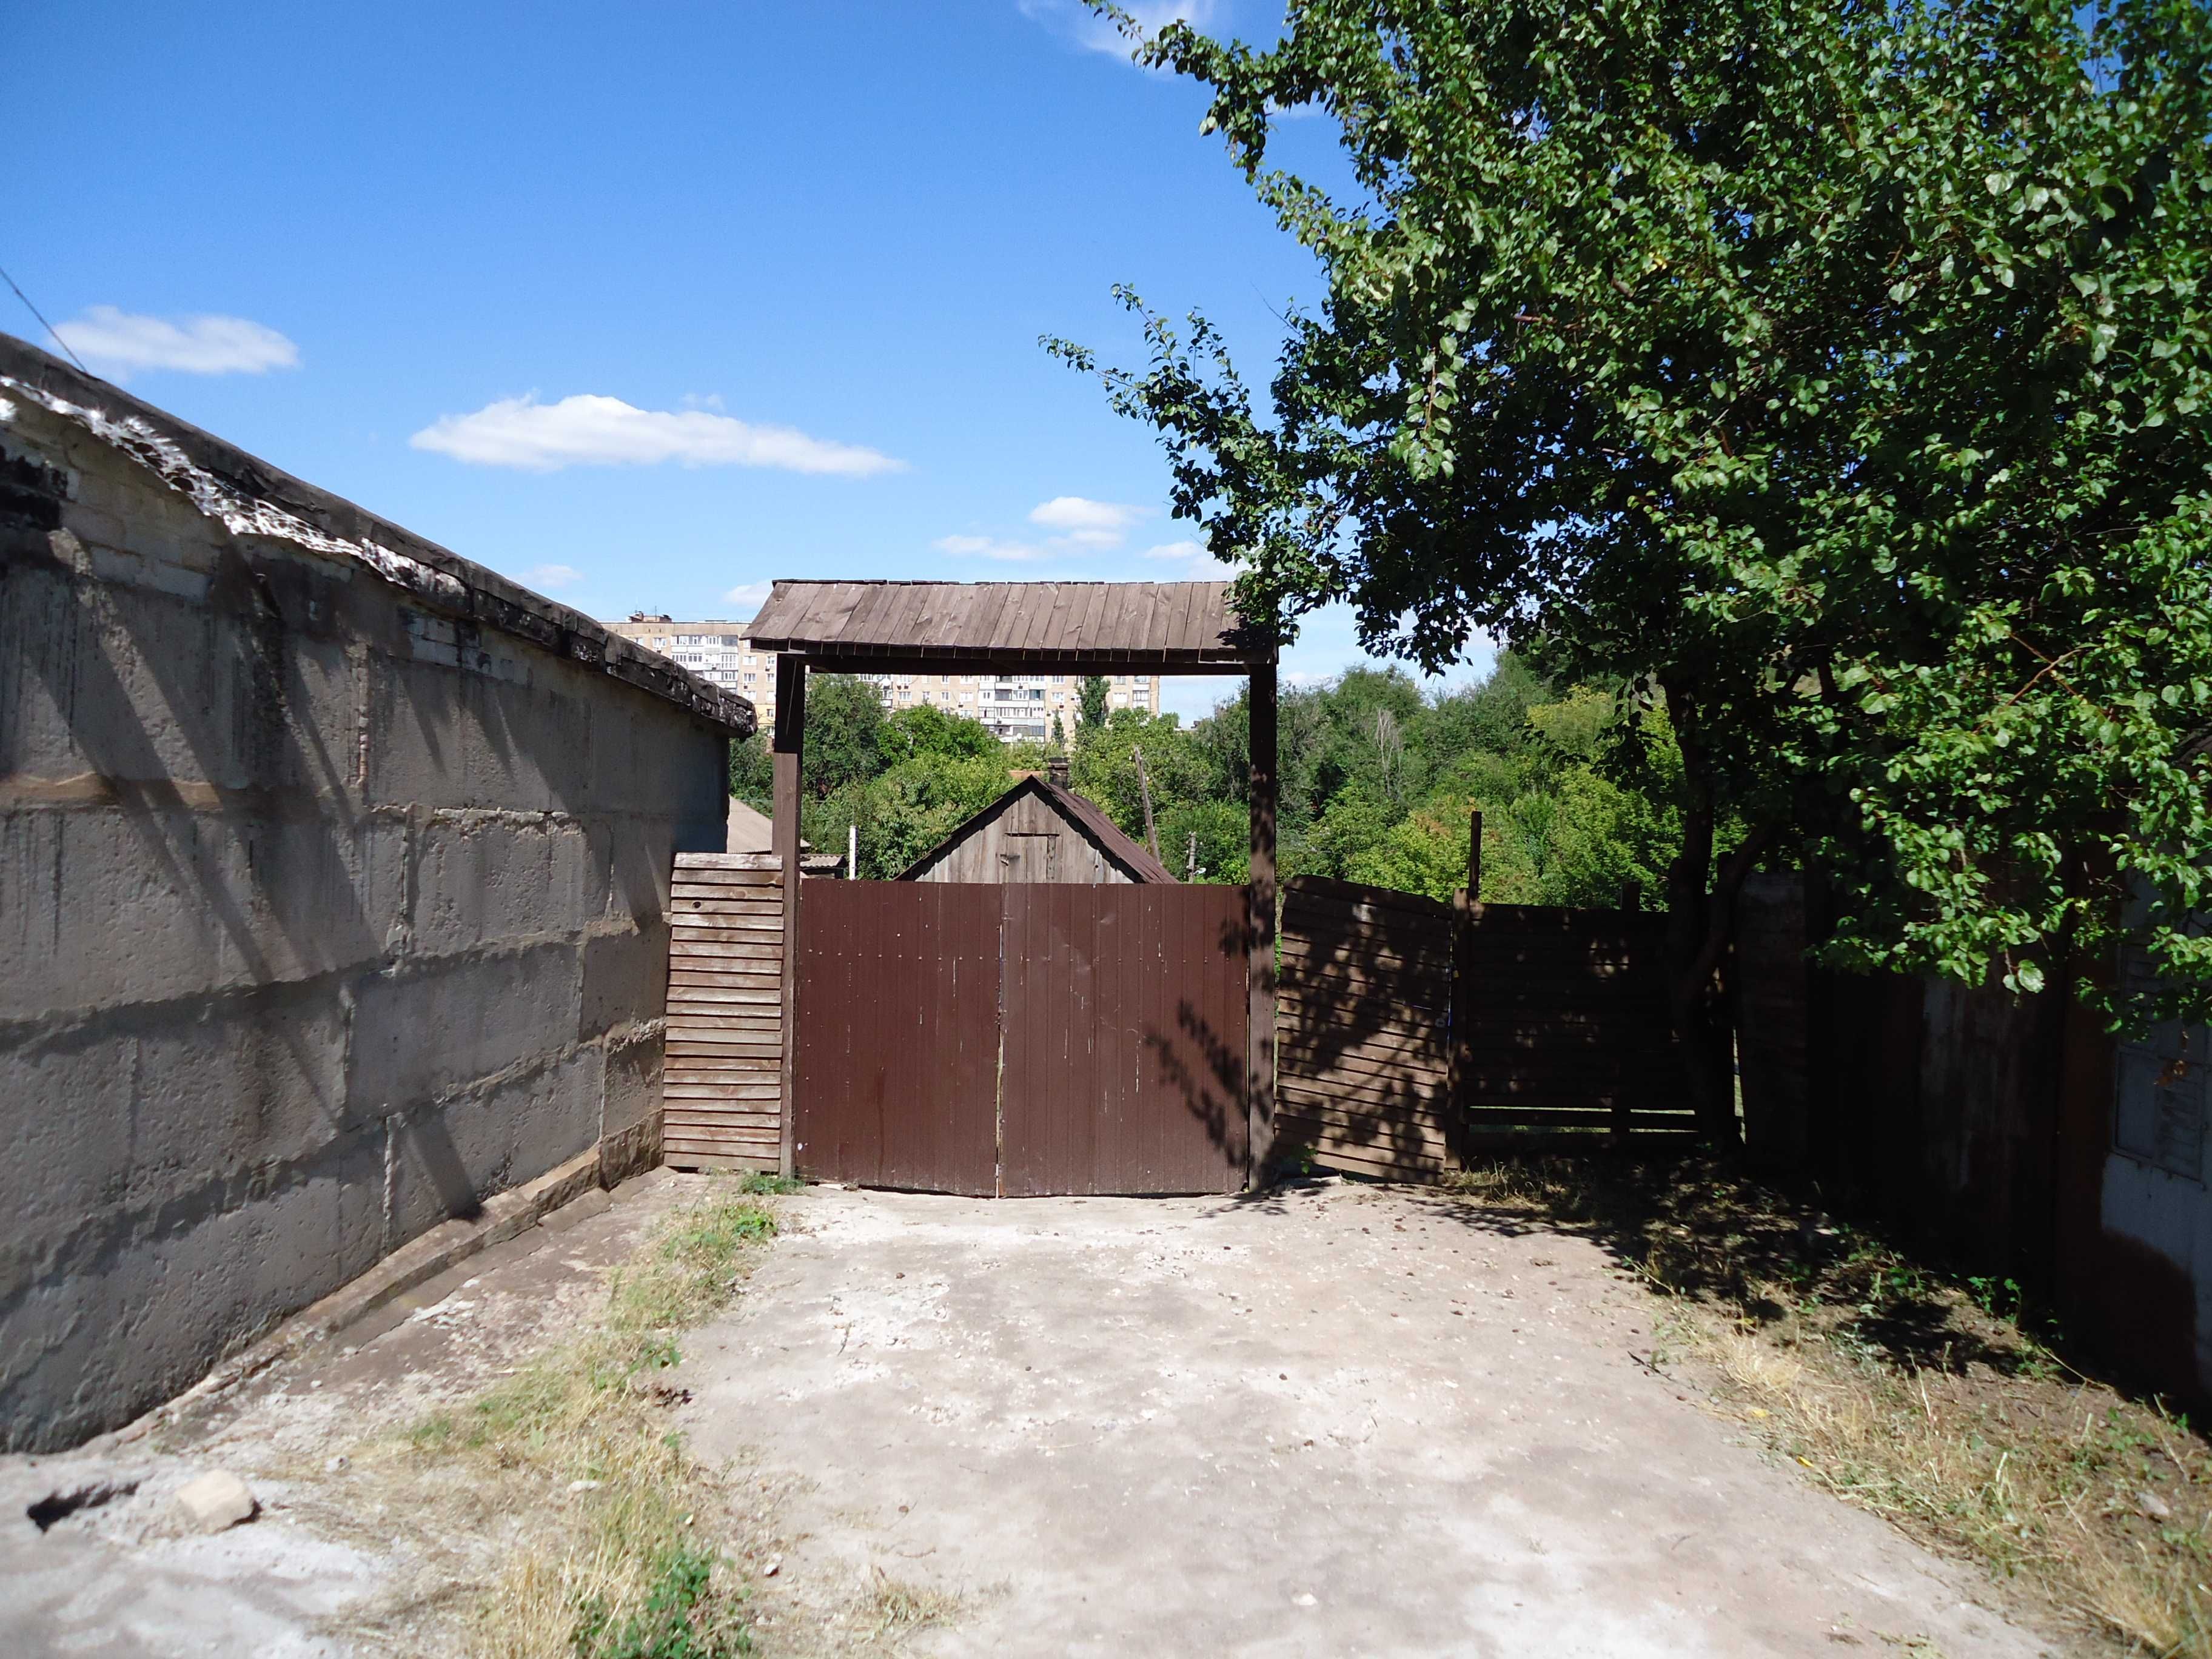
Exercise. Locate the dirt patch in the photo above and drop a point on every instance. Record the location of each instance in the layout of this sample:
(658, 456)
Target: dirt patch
(1938, 1402)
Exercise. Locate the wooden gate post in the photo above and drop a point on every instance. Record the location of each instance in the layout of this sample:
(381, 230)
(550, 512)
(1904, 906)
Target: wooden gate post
(1260, 910)
(790, 749)
(1459, 1061)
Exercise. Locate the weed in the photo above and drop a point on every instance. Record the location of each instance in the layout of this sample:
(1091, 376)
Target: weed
(1998, 1297)
(680, 1619)
(758, 1183)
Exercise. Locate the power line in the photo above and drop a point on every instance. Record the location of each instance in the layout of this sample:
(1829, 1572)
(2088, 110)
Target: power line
(41, 316)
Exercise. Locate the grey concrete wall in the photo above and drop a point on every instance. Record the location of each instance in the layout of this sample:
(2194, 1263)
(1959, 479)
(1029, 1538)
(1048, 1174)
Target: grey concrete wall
(333, 872)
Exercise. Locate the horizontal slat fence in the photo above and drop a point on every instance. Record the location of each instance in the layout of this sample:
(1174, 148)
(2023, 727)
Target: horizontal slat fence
(1363, 1051)
(722, 1085)
(1412, 1032)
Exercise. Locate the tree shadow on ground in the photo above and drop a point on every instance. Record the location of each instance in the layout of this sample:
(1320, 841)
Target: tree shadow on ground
(1702, 1227)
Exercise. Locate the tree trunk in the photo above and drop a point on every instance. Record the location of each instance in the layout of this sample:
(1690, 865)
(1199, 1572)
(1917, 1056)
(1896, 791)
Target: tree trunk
(1700, 921)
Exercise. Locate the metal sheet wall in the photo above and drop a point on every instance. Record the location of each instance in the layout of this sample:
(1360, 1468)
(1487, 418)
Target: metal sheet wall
(1125, 1018)
(895, 1082)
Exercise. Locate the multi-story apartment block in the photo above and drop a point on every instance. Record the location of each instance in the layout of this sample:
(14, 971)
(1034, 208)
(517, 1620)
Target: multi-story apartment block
(1016, 706)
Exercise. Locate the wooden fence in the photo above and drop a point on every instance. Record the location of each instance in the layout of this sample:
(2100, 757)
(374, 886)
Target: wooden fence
(1561, 1026)
(1412, 1033)
(1362, 1058)
(722, 1085)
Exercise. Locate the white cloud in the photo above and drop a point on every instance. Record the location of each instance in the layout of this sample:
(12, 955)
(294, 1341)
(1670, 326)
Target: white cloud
(1195, 564)
(122, 341)
(551, 576)
(1085, 523)
(990, 547)
(752, 595)
(1079, 23)
(592, 431)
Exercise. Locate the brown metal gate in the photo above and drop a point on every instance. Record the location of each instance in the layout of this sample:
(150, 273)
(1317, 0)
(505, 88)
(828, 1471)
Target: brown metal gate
(1021, 1039)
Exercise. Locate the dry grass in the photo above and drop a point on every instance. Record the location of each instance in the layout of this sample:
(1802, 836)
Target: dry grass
(895, 1607)
(570, 1518)
(1922, 1398)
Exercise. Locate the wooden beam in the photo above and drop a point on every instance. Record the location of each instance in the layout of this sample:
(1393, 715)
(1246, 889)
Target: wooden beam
(790, 749)
(854, 660)
(1260, 910)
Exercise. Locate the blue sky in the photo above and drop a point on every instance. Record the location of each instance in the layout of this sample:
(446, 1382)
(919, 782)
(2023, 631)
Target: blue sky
(646, 307)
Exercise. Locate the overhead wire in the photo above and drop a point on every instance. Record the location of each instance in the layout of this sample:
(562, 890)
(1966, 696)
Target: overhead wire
(53, 332)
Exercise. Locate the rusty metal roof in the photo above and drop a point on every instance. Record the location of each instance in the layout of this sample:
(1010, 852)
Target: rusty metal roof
(1172, 626)
(1131, 854)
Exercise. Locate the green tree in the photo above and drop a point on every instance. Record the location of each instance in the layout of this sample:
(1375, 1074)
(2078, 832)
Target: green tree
(925, 729)
(906, 810)
(752, 772)
(1091, 708)
(1832, 375)
(1104, 766)
(1223, 832)
(846, 733)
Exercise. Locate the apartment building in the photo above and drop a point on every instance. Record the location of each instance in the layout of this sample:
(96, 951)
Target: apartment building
(1017, 708)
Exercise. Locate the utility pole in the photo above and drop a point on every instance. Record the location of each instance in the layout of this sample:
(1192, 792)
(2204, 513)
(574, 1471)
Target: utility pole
(1144, 788)
(851, 852)
(1190, 864)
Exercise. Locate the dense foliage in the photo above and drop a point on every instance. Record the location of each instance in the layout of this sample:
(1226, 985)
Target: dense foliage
(1377, 783)
(1835, 375)
(907, 778)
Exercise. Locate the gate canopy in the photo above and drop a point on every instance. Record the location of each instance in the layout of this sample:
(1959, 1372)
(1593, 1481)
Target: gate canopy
(874, 628)
(1038, 628)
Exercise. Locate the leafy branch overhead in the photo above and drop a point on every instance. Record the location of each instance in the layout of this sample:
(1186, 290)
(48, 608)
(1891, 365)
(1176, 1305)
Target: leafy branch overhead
(1835, 376)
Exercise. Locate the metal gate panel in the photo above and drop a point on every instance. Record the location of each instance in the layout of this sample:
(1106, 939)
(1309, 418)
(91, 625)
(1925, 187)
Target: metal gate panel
(1125, 1015)
(1026, 1038)
(895, 1076)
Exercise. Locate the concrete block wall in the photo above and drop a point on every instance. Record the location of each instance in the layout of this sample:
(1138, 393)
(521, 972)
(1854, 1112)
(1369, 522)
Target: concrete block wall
(333, 883)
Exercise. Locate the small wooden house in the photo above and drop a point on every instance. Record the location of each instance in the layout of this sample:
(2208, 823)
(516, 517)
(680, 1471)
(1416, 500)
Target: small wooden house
(1039, 830)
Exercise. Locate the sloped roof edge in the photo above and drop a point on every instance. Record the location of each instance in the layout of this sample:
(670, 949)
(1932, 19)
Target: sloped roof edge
(1132, 855)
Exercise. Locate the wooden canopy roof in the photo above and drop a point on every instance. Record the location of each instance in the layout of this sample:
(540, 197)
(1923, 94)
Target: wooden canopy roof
(888, 627)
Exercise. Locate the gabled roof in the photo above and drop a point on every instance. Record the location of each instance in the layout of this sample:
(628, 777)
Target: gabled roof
(1170, 627)
(1086, 815)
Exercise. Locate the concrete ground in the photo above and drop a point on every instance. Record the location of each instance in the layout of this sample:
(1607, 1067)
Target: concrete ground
(323, 1570)
(1336, 1420)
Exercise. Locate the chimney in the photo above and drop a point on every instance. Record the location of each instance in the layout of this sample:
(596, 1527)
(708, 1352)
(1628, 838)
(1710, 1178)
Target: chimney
(1056, 770)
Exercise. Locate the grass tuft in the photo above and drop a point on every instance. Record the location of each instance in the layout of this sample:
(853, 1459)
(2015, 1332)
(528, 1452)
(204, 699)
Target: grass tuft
(609, 1526)
(895, 1607)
